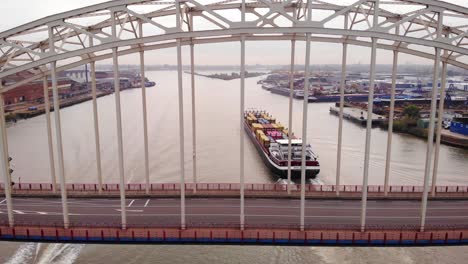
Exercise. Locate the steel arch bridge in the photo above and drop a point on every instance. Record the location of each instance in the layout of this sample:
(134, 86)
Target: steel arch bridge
(428, 29)
(409, 27)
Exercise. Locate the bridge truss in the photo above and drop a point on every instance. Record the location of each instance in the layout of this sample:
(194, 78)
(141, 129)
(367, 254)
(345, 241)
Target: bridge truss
(429, 29)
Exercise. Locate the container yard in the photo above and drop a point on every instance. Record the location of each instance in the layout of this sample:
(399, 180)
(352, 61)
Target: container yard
(412, 92)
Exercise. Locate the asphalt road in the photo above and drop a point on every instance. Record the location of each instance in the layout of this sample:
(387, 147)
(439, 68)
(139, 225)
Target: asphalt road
(225, 211)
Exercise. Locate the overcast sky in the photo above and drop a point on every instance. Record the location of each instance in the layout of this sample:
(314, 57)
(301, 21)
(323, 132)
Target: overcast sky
(18, 12)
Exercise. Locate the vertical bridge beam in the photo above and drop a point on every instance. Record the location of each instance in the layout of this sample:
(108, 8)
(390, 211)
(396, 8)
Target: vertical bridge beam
(304, 131)
(439, 124)
(181, 136)
(5, 146)
(58, 132)
(242, 104)
(368, 136)
(370, 105)
(430, 136)
(4, 167)
(49, 134)
(305, 106)
(181, 120)
(390, 121)
(115, 60)
(340, 122)
(96, 122)
(145, 114)
(291, 93)
(241, 130)
(194, 125)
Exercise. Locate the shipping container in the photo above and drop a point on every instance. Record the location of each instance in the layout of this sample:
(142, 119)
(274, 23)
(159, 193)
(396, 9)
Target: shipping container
(257, 126)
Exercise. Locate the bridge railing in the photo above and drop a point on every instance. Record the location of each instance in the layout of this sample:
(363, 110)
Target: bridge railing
(235, 225)
(249, 187)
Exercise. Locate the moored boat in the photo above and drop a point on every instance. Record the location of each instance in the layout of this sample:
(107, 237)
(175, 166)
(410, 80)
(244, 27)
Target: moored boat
(271, 141)
(267, 86)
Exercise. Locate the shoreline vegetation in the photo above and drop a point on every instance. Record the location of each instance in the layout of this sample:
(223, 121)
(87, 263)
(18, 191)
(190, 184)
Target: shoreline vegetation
(408, 124)
(228, 77)
(423, 133)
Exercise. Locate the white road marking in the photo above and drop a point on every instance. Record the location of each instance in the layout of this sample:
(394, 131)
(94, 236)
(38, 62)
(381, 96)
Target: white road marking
(130, 204)
(147, 202)
(3, 201)
(120, 210)
(73, 214)
(31, 212)
(91, 205)
(288, 216)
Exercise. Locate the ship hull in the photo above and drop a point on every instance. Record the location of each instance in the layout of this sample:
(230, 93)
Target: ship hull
(280, 171)
(335, 98)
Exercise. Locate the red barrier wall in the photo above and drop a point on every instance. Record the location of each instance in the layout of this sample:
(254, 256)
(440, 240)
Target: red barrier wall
(262, 235)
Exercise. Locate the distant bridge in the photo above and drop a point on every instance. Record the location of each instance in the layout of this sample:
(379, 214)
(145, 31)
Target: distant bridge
(428, 29)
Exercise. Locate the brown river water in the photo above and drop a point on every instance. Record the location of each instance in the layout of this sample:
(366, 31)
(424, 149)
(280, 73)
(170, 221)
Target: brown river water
(218, 161)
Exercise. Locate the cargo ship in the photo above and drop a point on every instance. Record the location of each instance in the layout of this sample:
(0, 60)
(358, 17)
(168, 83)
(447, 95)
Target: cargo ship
(270, 138)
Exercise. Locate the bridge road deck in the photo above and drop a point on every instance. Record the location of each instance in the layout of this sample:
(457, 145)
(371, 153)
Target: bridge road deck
(224, 212)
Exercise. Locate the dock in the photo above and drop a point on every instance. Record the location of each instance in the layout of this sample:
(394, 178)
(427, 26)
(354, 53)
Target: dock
(358, 115)
(23, 112)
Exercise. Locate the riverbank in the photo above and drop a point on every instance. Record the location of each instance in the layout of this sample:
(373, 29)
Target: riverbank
(29, 109)
(447, 137)
(402, 124)
(228, 77)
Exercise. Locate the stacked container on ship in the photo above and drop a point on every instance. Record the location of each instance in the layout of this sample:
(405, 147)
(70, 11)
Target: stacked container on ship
(271, 141)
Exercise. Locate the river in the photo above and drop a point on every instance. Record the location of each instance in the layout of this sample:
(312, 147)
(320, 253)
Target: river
(217, 120)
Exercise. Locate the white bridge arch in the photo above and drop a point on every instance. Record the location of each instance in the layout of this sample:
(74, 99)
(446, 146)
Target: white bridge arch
(422, 28)
(27, 47)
